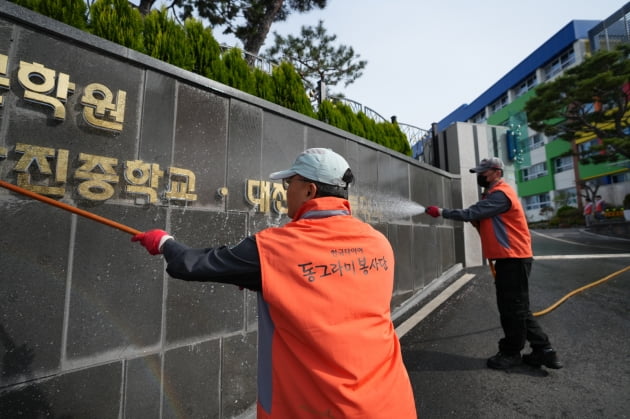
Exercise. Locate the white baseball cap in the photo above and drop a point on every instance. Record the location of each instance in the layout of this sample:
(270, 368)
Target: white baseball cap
(319, 165)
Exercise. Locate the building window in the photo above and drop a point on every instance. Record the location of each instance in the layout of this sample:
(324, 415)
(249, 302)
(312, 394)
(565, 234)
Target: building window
(479, 118)
(620, 178)
(585, 148)
(537, 201)
(617, 178)
(563, 164)
(559, 64)
(534, 172)
(499, 104)
(527, 85)
(535, 141)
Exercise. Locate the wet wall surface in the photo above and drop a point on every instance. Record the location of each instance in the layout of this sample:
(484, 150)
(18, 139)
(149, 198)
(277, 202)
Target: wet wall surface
(90, 325)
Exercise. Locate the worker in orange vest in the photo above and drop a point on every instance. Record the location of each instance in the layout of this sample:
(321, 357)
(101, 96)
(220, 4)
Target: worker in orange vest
(326, 342)
(506, 242)
(588, 212)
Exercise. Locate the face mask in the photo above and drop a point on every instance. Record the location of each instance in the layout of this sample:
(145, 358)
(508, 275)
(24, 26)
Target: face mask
(482, 181)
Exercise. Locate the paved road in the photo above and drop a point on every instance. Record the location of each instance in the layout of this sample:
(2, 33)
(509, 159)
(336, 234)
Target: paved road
(446, 352)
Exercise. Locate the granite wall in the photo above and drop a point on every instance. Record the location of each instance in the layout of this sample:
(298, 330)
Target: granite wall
(90, 325)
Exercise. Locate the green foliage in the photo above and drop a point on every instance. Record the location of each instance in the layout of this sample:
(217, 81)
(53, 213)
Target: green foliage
(238, 74)
(289, 90)
(193, 47)
(265, 87)
(329, 114)
(29, 4)
(316, 58)
(567, 211)
(384, 133)
(71, 12)
(118, 22)
(398, 140)
(165, 40)
(590, 100)
(567, 216)
(206, 52)
(356, 123)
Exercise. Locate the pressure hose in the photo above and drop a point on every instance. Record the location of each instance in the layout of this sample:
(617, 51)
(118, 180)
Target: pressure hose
(569, 295)
(579, 290)
(69, 208)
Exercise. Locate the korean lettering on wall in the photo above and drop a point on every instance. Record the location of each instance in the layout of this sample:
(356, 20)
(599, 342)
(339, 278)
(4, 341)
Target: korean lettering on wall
(45, 170)
(266, 196)
(42, 85)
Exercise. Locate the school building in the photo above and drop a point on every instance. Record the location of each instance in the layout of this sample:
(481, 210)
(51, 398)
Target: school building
(544, 175)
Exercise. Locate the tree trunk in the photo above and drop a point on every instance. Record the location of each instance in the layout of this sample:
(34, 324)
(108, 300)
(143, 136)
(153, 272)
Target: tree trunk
(145, 6)
(576, 176)
(256, 39)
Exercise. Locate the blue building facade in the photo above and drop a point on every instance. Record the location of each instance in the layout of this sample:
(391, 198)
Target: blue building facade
(545, 176)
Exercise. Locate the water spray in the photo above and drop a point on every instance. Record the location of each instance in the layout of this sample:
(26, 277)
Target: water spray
(388, 207)
(69, 208)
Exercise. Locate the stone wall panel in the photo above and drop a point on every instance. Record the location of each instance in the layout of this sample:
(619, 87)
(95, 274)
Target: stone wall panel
(191, 381)
(90, 324)
(33, 272)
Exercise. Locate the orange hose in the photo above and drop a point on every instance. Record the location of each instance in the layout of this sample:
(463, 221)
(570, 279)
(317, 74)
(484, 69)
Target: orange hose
(70, 208)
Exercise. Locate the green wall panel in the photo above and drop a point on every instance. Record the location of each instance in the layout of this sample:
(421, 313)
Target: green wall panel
(536, 186)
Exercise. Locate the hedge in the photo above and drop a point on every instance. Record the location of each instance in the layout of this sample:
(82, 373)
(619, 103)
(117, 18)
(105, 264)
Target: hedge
(192, 47)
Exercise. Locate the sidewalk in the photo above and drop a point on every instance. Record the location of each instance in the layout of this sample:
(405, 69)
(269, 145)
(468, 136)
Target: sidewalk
(619, 229)
(446, 352)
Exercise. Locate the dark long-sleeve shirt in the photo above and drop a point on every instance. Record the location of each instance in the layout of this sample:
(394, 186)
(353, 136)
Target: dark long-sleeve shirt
(494, 203)
(238, 265)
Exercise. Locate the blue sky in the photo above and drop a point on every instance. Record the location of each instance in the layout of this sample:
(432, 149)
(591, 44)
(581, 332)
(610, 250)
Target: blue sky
(426, 58)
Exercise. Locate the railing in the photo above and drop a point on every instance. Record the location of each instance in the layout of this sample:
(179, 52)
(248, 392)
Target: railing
(255, 61)
(357, 107)
(414, 134)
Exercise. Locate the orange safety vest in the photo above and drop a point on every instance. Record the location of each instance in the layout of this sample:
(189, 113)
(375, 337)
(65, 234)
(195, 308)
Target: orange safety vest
(588, 208)
(327, 345)
(506, 235)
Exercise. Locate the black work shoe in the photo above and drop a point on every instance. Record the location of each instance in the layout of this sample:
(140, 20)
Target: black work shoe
(503, 361)
(546, 357)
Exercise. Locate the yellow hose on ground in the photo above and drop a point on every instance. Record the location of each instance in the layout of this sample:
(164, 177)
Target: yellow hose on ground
(572, 293)
(569, 295)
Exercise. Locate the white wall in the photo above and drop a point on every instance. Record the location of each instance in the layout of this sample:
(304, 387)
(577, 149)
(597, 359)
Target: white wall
(564, 180)
(614, 194)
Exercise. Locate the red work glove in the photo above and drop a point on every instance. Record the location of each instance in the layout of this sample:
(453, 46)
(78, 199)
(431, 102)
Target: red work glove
(433, 211)
(151, 240)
